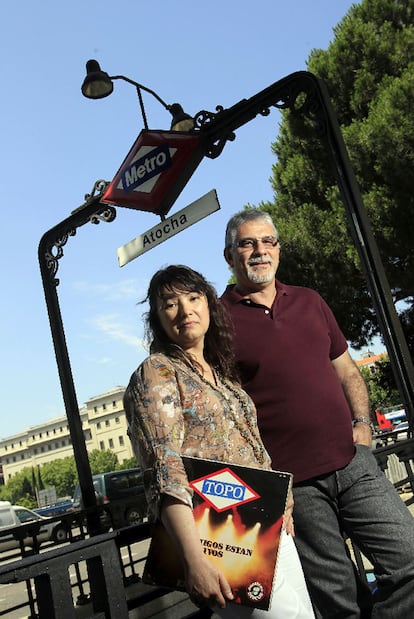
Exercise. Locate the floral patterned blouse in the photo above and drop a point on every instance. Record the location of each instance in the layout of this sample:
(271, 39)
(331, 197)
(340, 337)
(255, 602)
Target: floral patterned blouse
(172, 411)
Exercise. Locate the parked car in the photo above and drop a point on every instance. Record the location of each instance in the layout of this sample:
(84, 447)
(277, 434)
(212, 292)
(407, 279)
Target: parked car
(61, 506)
(121, 493)
(16, 516)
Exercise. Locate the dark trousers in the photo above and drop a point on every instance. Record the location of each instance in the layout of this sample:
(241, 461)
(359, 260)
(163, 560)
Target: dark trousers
(361, 502)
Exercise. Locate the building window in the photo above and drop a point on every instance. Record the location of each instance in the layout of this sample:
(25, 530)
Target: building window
(114, 403)
(98, 425)
(95, 409)
(121, 441)
(104, 407)
(101, 445)
(107, 423)
(117, 420)
(111, 443)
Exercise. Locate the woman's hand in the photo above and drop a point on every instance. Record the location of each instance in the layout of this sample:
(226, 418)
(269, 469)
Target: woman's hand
(205, 584)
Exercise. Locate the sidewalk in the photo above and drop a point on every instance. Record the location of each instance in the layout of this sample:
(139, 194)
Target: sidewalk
(173, 605)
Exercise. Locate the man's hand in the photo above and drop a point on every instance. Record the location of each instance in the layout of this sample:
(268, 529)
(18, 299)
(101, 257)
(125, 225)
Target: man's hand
(362, 434)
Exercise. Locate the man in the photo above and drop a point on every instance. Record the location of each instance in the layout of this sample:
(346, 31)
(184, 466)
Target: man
(313, 413)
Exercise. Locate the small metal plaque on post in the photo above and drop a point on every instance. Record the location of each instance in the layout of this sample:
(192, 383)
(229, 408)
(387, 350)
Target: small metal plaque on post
(206, 205)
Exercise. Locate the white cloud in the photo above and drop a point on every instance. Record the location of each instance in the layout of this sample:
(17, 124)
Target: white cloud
(119, 291)
(111, 325)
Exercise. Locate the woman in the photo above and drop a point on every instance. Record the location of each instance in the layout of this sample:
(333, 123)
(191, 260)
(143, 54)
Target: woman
(184, 399)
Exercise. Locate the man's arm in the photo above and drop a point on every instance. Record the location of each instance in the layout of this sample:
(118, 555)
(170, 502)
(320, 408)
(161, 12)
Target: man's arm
(356, 393)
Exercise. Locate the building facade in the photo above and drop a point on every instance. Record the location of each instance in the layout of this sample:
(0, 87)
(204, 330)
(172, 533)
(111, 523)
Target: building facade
(369, 359)
(104, 427)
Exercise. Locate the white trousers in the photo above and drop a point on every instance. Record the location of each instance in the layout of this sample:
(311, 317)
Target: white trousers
(290, 597)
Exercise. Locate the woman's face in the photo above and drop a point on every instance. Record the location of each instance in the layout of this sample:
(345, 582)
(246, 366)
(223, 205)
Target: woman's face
(184, 316)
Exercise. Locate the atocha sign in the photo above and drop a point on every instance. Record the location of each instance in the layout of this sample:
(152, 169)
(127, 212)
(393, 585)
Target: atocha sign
(170, 226)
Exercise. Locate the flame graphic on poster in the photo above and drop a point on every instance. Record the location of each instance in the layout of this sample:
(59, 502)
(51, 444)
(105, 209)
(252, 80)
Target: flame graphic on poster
(245, 555)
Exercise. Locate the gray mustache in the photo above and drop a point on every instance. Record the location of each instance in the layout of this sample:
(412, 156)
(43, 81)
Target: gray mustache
(257, 260)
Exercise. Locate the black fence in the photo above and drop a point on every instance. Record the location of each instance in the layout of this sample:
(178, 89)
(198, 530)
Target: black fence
(100, 576)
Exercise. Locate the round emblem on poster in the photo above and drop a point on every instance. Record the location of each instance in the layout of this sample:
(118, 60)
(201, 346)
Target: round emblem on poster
(255, 591)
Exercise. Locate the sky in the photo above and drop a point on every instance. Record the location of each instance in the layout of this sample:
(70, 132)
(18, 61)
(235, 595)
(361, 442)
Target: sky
(57, 144)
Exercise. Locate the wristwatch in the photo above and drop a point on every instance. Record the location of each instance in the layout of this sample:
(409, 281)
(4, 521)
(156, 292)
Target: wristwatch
(366, 420)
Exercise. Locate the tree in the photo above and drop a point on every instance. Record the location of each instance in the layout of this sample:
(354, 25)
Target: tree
(381, 385)
(103, 461)
(369, 72)
(131, 463)
(34, 484)
(61, 474)
(18, 489)
(40, 484)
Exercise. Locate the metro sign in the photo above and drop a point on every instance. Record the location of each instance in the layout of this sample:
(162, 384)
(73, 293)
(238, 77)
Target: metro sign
(155, 171)
(223, 489)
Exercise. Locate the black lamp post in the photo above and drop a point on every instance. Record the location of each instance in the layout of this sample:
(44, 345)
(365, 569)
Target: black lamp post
(50, 251)
(301, 93)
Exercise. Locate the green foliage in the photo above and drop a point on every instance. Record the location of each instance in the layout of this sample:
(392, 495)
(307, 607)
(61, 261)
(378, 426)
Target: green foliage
(369, 72)
(39, 479)
(62, 474)
(19, 489)
(131, 463)
(102, 461)
(381, 385)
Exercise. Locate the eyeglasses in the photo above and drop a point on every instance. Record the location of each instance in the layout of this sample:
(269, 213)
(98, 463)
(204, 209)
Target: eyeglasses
(248, 243)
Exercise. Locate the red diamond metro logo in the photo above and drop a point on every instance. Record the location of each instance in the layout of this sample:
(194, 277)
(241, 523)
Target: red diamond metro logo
(155, 171)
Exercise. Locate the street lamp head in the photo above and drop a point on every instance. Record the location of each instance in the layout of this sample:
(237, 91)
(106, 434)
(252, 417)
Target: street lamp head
(97, 84)
(181, 121)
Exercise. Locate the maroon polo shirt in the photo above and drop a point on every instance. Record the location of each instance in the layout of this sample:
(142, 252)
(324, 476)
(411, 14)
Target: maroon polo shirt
(284, 357)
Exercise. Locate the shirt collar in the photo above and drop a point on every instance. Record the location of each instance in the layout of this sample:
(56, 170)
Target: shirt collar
(235, 297)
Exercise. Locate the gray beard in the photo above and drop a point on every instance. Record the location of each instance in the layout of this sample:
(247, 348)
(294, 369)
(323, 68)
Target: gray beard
(260, 279)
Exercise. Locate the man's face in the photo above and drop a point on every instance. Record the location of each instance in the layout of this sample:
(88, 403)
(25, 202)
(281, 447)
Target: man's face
(256, 258)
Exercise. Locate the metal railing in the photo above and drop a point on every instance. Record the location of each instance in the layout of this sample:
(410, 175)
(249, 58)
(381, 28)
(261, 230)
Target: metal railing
(96, 576)
(99, 576)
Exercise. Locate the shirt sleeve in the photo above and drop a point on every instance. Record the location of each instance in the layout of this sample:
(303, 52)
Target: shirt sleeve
(338, 341)
(156, 430)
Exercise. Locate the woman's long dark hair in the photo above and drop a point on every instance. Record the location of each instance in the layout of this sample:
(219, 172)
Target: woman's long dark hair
(218, 341)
